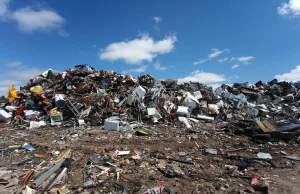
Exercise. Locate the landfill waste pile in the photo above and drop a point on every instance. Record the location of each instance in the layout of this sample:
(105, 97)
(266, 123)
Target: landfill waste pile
(88, 131)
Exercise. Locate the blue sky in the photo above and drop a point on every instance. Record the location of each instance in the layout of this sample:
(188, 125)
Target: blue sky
(213, 41)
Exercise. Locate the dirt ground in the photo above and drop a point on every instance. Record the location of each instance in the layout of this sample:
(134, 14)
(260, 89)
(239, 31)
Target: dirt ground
(204, 173)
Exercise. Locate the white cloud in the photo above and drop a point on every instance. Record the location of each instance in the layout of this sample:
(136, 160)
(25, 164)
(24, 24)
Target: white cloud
(4, 9)
(138, 50)
(203, 77)
(14, 64)
(293, 75)
(292, 8)
(232, 59)
(235, 66)
(216, 52)
(245, 60)
(200, 61)
(141, 69)
(157, 66)
(23, 74)
(223, 60)
(157, 19)
(30, 20)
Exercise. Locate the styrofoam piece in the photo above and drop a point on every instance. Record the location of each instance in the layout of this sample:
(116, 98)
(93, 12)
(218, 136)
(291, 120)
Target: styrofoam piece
(204, 117)
(185, 121)
(262, 155)
(35, 124)
(81, 122)
(123, 153)
(29, 190)
(182, 110)
(10, 108)
(194, 120)
(151, 111)
(5, 116)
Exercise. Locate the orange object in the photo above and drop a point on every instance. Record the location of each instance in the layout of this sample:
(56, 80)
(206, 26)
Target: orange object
(37, 90)
(12, 94)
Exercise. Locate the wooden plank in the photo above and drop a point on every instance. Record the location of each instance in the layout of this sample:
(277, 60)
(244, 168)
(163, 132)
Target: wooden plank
(262, 126)
(270, 125)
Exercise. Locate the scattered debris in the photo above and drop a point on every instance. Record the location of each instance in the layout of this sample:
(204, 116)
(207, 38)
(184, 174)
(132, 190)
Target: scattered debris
(103, 132)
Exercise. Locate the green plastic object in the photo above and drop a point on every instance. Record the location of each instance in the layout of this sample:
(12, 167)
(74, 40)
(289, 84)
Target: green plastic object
(167, 190)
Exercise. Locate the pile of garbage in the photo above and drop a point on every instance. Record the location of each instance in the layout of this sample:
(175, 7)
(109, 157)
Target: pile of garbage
(83, 97)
